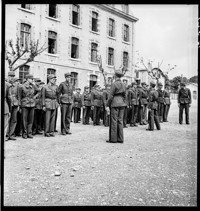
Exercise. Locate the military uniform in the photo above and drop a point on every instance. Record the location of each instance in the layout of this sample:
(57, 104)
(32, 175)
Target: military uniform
(167, 103)
(66, 100)
(126, 118)
(184, 99)
(77, 107)
(153, 109)
(106, 118)
(96, 103)
(133, 96)
(7, 108)
(160, 102)
(27, 95)
(116, 102)
(101, 113)
(143, 101)
(14, 98)
(86, 103)
(50, 104)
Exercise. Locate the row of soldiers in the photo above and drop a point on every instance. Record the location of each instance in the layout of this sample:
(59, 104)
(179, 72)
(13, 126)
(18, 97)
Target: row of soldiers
(34, 106)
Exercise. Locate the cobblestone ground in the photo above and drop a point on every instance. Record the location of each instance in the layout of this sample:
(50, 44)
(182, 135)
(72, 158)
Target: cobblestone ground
(156, 168)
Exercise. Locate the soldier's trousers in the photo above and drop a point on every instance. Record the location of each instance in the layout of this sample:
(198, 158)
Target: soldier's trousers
(66, 110)
(160, 111)
(96, 115)
(37, 120)
(116, 124)
(143, 113)
(56, 115)
(125, 116)
(6, 123)
(86, 114)
(49, 121)
(18, 127)
(181, 108)
(106, 119)
(77, 112)
(134, 114)
(13, 120)
(166, 111)
(27, 120)
(153, 117)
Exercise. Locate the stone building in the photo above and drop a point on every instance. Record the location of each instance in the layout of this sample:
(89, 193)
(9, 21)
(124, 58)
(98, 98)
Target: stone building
(75, 35)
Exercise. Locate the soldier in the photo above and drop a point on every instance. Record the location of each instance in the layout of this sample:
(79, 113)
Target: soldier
(66, 102)
(184, 102)
(101, 113)
(160, 101)
(77, 105)
(27, 95)
(106, 117)
(116, 102)
(56, 116)
(167, 101)
(7, 108)
(143, 104)
(133, 99)
(96, 104)
(11, 75)
(126, 109)
(86, 102)
(38, 109)
(153, 108)
(14, 98)
(42, 84)
(49, 105)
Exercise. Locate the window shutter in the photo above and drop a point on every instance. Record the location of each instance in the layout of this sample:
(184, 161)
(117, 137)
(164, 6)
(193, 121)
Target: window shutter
(69, 46)
(70, 13)
(90, 19)
(115, 28)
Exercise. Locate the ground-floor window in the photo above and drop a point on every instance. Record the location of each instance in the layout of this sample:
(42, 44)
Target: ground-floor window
(93, 80)
(23, 71)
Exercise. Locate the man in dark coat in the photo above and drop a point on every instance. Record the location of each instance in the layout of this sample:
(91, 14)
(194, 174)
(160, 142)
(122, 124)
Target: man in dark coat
(133, 99)
(50, 104)
(106, 117)
(184, 102)
(66, 102)
(27, 96)
(160, 101)
(167, 101)
(86, 103)
(77, 105)
(126, 109)
(143, 101)
(153, 108)
(116, 102)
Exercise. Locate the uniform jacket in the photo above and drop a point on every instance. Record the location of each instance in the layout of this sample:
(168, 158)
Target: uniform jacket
(65, 91)
(95, 98)
(38, 99)
(27, 95)
(105, 96)
(7, 99)
(101, 98)
(143, 96)
(14, 94)
(86, 99)
(160, 96)
(117, 94)
(153, 98)
(133, 96)
(166, 96)
(126, 97)
(77, 100)
(50, 96)
(184, 96)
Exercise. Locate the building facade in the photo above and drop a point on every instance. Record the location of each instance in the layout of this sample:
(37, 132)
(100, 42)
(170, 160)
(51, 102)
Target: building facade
(75, 35)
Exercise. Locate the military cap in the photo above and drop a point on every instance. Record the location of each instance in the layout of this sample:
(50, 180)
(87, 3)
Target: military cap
(42, 82)
(37, 80)
(51, 76)
(16, 79)
(134, 83)
(182, 84)
(78, 88)
(167, 83)
(152, 83)
(95, 86)
(119, 73)
(67, 74)
(160, 84)
(143, 83)
(29, 76)
(11, 73)
(86, 87)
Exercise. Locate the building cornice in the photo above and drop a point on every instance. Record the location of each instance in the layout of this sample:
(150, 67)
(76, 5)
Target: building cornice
(117, 12)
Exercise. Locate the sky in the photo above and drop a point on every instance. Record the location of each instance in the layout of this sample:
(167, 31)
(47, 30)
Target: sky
(168, 34)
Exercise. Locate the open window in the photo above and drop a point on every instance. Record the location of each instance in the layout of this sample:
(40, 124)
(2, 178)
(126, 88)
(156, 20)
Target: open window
(52, 42)
(53, 10)
(110, 56)
(76, 14)
(25, 35)
(75, 48)
(94, 21)
(94, 52)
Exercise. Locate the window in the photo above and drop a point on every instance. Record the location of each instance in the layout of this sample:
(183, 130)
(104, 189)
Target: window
(52, 37)
(25, 35)
(49, 72)
(111, 27)
(94, 52)
(74, 48)
(53, 10)
(125, 59)
(94, 21)
(125, 8)
(76, 14)
(74, 79)
(23, 71)
(110, 56)
(26, 6)
(126, 33)
(93, 80)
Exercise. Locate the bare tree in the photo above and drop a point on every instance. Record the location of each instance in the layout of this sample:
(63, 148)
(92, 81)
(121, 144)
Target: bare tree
(27, 53)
